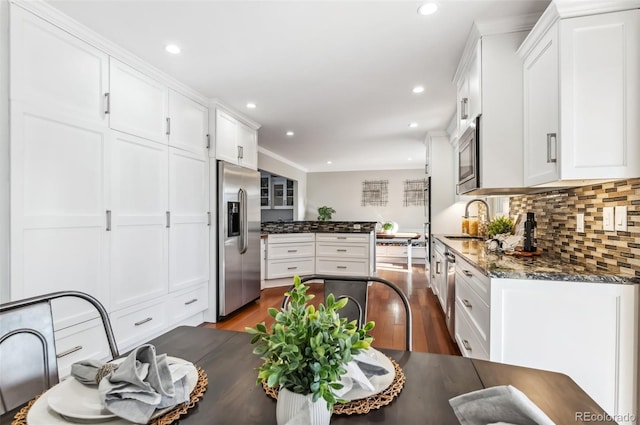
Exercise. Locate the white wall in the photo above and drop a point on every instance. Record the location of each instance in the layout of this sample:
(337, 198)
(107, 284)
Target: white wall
(4, 150)
(343, 192)
(445, 212)
(275, 164)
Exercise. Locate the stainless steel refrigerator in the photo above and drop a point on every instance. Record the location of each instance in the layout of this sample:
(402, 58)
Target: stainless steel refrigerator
(238, 237)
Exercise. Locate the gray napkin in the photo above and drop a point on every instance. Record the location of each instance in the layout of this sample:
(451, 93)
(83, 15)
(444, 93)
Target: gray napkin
(503, 404)
(141, 384)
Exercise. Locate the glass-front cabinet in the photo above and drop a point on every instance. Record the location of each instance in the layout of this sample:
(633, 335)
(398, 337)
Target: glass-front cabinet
(282, 193)
(265, 191)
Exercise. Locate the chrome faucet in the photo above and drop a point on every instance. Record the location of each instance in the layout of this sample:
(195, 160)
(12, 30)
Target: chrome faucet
(466, 208)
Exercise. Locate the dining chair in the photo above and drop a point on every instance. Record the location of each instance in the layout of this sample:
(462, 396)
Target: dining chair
(28, 362)
(355, 288)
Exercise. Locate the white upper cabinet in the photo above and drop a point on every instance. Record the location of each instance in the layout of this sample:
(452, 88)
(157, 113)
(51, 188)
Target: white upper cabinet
(236, 142)
(188, 123)
(51, 68)
(469, 91)
(137, 103)
(582, 98)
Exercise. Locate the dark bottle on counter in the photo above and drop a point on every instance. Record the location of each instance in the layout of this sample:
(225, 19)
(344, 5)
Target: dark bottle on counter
(530, 233)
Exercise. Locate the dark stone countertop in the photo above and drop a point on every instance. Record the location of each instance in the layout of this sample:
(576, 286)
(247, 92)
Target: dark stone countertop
(270, 227)
(543, 267)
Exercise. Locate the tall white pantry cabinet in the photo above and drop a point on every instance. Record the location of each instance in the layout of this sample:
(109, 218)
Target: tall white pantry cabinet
(109, 189)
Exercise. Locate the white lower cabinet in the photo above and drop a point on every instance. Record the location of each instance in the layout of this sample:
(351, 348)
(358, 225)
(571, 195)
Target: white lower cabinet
(344, 254)
(85, 340)
(140, 322)
(290, 254)
(185, 304)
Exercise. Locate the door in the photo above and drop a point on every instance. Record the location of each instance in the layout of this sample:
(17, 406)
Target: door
(247, 140)
(139, 234)
(226, 137)
(189, 123)
(188, 231)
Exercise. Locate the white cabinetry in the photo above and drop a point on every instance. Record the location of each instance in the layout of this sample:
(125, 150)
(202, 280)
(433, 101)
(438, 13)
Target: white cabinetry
(290, 254)
(471, 311)
(582, 98)
(344, 253)
(439, 273)
(236, 142)
(469, 94)
(587, 330)
(188, 124)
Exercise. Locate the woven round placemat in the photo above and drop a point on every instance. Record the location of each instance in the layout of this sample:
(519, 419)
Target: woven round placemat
(168, 418)
(363, 405)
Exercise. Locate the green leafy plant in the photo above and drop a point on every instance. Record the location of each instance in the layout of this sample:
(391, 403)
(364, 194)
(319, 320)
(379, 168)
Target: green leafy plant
(324, 213)
(307, 348)
(387, 226)
(500, 225)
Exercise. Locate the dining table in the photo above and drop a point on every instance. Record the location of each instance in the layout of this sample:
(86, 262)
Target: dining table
(233, 396)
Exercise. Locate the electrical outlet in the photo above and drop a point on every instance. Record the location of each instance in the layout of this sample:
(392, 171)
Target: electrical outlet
(608, 219)
(621, 218)
(580, 223)
(356, 227)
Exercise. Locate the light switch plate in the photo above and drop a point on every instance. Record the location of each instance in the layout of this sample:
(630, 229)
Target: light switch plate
(580, 223)
(607, 219)
(621, 218)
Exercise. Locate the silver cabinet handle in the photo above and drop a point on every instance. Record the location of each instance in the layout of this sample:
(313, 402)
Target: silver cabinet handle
(143, 321)
(208, 218)
(341, 250)
(168, 215)
(108, 228)
(292, 250)
(107, 103)
(341, 267)
(69, 351)
(191, 301)
(552, 138)
(291, 268)
(168, 126)
(341, 237)
(467, 273)
(467, 304)
(240, 152)
(464, 114)
(438, 267)
(208, 141)
(466, 345)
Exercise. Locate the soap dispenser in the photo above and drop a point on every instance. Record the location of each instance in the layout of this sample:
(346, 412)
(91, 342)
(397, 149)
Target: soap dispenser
(530, 233)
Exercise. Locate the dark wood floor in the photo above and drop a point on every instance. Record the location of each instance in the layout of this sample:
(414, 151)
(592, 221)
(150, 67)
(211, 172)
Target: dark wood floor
(385, 308)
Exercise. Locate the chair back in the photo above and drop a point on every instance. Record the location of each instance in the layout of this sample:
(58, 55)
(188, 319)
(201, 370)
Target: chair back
(28, 361)
(355, 288)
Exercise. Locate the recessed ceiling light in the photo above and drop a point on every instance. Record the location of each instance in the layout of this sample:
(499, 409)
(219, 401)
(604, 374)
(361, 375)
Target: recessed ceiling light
(428, 9)
(413, 124)
(172, 48)
(329, 162)
(418, 89)
(251, 105)
(409, 159)
(290, 133)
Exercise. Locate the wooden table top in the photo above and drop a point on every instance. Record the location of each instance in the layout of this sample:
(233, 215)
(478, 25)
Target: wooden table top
(232, 396)
(432, 379)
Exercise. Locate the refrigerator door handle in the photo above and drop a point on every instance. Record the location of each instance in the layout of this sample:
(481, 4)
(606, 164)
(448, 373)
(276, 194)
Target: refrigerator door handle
(244, 228)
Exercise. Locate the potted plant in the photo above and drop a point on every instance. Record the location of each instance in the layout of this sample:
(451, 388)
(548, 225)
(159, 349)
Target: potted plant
(305, 352)
(500, 225)
(324, 213)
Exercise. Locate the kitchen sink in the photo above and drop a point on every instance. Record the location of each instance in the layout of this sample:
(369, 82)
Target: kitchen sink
(462, 237)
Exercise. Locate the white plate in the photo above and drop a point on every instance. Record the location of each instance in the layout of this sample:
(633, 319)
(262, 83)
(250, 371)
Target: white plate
(71, 401)
(380, 382)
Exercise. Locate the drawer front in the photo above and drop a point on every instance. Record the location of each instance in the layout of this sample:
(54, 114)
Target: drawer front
(86, 340)
(291, 250)
(477, 311)
(326, 249)
(290, 237)
(343, 237)
(468, 341)
(134, 325)
(187, 303)
(476, 280)
(342, 267)
(281, 268)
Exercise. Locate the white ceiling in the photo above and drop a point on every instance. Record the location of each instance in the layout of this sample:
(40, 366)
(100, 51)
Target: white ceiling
(337, 73)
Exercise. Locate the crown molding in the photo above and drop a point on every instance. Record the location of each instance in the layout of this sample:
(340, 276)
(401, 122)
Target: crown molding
(55, 17)
(217, 104)
(281, 159)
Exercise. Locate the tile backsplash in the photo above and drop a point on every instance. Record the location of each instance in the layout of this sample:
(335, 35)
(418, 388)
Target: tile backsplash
(615, 251)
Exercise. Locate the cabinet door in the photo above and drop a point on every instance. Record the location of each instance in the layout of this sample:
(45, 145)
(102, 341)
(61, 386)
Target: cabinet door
(247, 140)
(188, 232)
(474, 79)
(52, 69)
(139, 236)
(226, 137)
(463, 105)
(541, 120)
(189, 123)
(600, 92)
(58, 191)
(138, 104)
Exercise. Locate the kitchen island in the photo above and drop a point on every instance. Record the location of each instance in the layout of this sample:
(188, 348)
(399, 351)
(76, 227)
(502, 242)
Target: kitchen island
(546, 313)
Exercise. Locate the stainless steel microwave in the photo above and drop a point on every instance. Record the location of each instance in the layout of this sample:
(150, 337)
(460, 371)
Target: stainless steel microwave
(469, 159)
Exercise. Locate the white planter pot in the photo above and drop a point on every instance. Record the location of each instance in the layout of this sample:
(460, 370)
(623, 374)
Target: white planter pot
(299, 409)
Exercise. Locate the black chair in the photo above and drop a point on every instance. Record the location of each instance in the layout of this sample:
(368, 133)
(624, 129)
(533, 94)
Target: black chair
(28, 362)
(355, 288)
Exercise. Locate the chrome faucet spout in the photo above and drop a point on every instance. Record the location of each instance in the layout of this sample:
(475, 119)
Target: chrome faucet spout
(466, 208)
